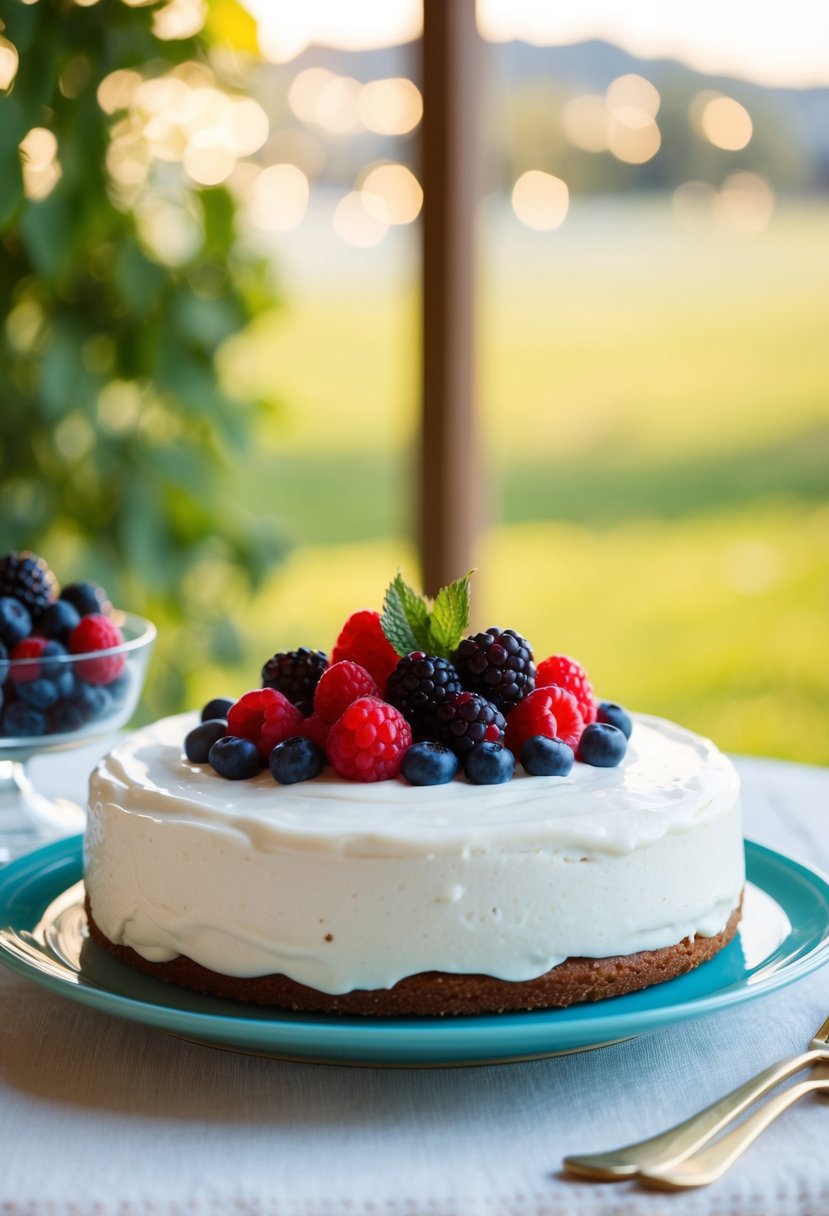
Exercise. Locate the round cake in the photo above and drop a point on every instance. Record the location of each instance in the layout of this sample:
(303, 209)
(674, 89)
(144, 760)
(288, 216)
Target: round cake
(388, 898)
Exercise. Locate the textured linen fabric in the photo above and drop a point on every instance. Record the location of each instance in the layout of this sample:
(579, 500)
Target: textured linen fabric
(106, 1117)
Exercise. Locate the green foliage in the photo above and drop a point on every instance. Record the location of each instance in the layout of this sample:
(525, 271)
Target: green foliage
(118, 440)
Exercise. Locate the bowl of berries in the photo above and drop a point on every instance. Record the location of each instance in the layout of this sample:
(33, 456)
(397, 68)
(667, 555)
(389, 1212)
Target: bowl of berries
(71, 671)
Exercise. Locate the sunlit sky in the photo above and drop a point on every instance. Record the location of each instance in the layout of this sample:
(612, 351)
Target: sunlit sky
(765, 40)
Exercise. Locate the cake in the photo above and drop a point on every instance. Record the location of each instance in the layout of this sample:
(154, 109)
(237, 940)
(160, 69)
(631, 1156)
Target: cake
(386, 898)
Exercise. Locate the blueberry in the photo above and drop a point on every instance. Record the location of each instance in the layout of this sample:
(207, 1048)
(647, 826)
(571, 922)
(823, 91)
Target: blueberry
(65, 682)
(544, 757)
(198, 742)
(120, 687)
(91, 699)
(64, 716)
(429, 764)
(40, 694)
(54, 669)
(58, 620)
(614, 715)
(234, 758)
(602, 745)
(85, 598)
(217, 708)
(15, 622)
(296, 759)
(21, 721)
(4, 663)
(489, 764)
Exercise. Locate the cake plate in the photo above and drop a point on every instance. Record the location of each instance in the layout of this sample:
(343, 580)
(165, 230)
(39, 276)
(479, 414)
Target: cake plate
(783, 936)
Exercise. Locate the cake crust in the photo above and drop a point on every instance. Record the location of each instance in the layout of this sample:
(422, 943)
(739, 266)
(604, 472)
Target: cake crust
(437, 993)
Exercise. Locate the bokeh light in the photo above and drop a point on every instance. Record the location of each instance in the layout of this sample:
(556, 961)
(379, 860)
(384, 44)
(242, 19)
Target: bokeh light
(635, 93)
(390, 107)
(746, 202)
(392, 194)
(540, 200)
(355, 225)
(584, 120)
(9, 63)
(726, 123)
(633, 137)
(179, 19)
(279, 198)
(41, 168)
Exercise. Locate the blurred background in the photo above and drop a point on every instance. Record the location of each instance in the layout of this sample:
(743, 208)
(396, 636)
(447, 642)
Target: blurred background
(209, 307)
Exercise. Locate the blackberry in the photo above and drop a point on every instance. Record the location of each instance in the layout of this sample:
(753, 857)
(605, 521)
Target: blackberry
(499, 665)
(26, 578)
(419, 685)
(466, 719)
(296, 673)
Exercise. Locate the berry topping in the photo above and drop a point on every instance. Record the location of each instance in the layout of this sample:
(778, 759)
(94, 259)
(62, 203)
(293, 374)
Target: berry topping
(429, 763)
(567, 673)
(362, 641)
(40, 693)
(28, 579)
(58, 620)
(465, 719)
(97, 632)
(29, 648)
(264, 716)
(295, 673)
(545, 757)
(419, 685)
(88, 598)
(602, 745)
(15, 622)
(489, 764)
(339, 685)
(369, 741)
(499, 664)
(92, 700)
(614, 715)
(550, 711)
(235, 759)
(296, 759)
(217, 708)
(198, 742)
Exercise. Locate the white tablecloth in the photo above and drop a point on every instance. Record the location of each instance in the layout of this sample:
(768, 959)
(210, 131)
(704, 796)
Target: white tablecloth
(101, 1116)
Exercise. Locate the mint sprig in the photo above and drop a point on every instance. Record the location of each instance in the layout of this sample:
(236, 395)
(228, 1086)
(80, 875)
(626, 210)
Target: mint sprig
(411, 622)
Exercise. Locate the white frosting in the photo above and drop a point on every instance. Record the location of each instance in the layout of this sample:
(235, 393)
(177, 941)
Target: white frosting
(342, 885)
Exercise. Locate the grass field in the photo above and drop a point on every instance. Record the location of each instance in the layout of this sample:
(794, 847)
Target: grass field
(655, 420)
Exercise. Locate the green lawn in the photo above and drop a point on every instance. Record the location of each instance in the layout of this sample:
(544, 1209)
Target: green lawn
(655, 415)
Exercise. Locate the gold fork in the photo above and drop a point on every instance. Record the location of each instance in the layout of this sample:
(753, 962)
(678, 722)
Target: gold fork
(668, 1149)
(710, 1163)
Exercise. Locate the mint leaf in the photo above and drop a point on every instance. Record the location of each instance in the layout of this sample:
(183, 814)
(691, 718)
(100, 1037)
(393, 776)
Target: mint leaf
(450, 616)
(416, 610)
(395, 622)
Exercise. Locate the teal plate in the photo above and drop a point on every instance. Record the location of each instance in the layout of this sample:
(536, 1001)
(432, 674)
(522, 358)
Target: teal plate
(784, 935)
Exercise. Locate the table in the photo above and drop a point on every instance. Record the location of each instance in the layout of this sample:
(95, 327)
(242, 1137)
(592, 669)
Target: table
(104, 1117)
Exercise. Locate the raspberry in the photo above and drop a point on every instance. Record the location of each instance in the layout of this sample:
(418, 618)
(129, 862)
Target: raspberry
(499, 665)
(266, 717)
(567, 673)
(316, 729)
(29, 648)
(466, 719)
(362, 640)
(549, 711)
(96, 632)
(419, 685)
(295, 673)
(339, 685)
(27, 578)
(369, 741)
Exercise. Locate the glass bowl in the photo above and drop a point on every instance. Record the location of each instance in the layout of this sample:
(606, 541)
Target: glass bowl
(54, 703)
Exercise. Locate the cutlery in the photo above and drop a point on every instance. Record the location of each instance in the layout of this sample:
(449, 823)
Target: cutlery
(669, 1148)
(711, 1162)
